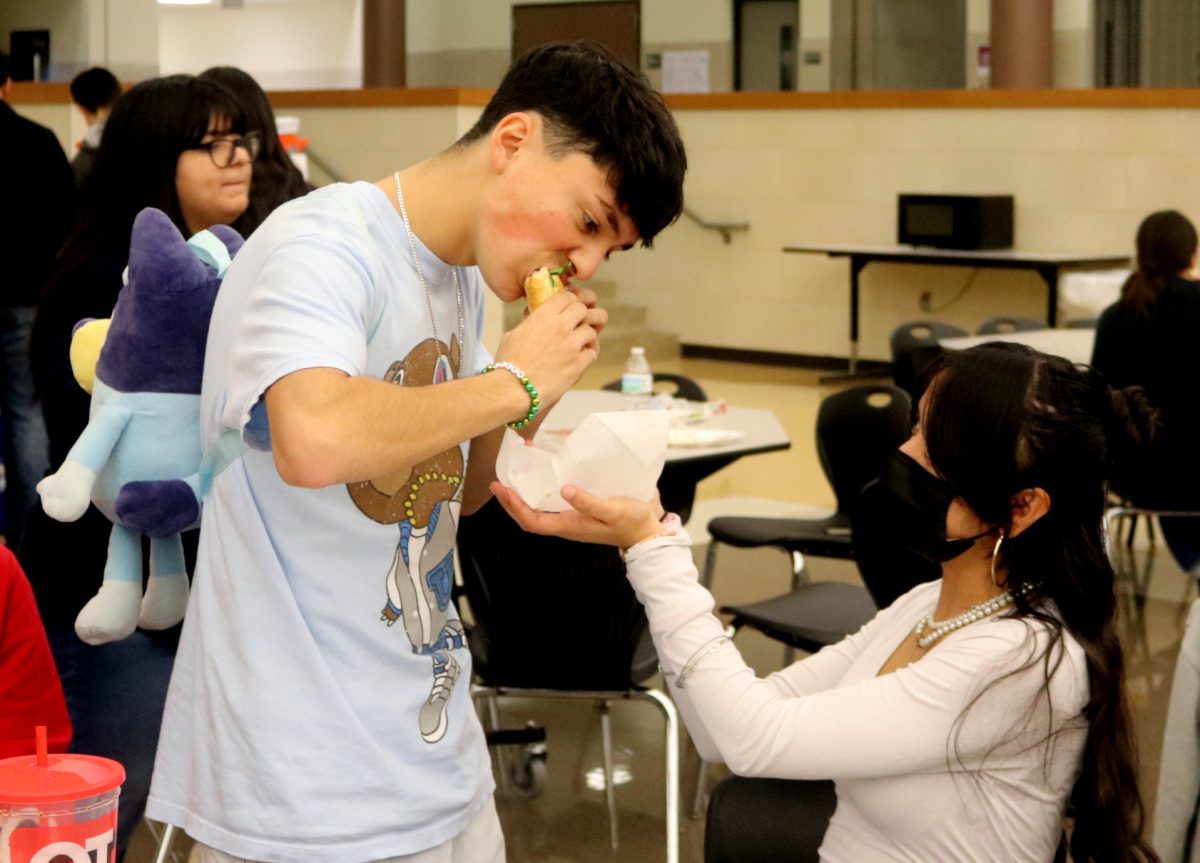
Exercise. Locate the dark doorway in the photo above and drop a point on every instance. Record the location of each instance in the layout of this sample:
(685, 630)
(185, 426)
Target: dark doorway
(29, 54)
(1118, 41)
(767, 40)
(616, 25)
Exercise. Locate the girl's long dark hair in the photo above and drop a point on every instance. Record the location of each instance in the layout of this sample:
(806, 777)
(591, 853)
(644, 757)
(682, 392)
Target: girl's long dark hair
(1166, 243)
(1006, 418)
(151, 124)
(276, 178)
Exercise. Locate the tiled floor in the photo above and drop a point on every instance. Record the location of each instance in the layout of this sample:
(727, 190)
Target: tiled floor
(568, 821)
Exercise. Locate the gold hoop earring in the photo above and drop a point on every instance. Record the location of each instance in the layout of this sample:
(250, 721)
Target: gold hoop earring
(995, 557)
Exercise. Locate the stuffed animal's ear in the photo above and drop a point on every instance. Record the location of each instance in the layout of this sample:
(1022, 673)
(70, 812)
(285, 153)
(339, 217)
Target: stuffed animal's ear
(158, 254)
(227, 235)
(216, 246)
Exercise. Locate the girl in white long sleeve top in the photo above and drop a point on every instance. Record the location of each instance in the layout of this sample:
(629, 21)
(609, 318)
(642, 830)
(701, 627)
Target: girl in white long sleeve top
(903, 792)
(958, 742)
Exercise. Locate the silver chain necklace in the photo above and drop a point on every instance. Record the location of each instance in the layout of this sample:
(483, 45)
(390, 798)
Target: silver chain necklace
(412, 245)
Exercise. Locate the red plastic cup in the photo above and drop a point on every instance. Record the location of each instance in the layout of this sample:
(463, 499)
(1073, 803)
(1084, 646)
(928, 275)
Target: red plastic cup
(58, 807)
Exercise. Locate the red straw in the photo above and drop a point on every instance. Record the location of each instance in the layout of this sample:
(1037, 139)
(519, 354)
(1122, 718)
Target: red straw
(42, 758)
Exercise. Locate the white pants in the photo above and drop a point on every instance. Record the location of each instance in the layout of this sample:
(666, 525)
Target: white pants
(480, 842)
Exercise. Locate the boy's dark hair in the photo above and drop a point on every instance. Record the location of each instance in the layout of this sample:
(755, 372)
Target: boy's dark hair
(4, 71)
(594, 102)
(95, 88)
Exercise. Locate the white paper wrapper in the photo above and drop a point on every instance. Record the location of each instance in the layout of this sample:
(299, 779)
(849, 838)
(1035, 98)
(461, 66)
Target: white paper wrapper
(617, 453)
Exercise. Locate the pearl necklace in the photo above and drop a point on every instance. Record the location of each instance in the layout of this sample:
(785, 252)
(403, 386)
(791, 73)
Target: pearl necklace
(976, 612)
(412, 245)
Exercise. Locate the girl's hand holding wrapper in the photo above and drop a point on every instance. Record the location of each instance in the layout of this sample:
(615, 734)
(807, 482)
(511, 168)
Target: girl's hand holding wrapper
(619, 521)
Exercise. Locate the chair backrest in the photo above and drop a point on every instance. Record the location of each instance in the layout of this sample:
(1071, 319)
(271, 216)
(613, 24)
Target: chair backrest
(684, 387)
(857, 429)
(767, 820)
(914, 345)
(546, 613)
(1004, 324)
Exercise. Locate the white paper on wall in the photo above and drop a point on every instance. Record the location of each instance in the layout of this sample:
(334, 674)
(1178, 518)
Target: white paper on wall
(685, 72)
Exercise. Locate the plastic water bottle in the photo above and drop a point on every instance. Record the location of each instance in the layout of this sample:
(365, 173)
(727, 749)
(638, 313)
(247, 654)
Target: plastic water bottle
(637, 382)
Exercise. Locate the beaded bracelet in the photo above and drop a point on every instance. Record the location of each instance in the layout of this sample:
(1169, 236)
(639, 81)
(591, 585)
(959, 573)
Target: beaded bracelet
(535, 403)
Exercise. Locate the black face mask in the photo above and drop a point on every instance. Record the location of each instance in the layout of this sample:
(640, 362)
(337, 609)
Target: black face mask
(911, 504)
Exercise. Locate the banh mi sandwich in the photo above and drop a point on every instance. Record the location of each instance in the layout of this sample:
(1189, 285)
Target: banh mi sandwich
(542, 284)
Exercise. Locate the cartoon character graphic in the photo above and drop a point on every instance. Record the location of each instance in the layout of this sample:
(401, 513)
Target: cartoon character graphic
(425, 503)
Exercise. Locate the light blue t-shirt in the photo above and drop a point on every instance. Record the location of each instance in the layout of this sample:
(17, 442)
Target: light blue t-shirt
(319, 707)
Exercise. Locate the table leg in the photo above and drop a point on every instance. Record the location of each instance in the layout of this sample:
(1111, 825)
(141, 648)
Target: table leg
(1050, 275)
(857, 264)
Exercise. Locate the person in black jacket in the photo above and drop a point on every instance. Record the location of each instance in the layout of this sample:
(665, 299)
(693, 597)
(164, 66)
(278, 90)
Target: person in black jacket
(1147, 338)
(177, 144)
(38, 192)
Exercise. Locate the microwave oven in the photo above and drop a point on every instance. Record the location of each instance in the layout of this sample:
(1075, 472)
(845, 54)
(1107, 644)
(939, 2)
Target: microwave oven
(956, 221)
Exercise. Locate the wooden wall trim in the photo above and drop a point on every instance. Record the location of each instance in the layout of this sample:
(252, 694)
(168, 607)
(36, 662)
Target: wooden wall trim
(386, 97)
(1129, 97)
(40, 94)
(375, 97)
(381, 97)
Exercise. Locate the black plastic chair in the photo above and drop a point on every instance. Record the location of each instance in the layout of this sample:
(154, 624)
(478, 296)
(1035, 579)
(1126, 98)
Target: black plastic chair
(552, 619)
(856, 430)
(914, 345)
(683, 386)
(1120, 525)
(1005, 324)
(767, 820)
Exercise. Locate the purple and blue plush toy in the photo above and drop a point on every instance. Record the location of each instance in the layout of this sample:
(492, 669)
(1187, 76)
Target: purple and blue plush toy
(139, 457)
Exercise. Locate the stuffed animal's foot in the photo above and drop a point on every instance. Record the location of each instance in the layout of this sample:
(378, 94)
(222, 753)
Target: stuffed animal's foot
(111, 614)
(67, 492)
(165, 601)
(157, 508)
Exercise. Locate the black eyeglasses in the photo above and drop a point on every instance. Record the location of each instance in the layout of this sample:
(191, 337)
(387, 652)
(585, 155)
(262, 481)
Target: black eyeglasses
(223, 151)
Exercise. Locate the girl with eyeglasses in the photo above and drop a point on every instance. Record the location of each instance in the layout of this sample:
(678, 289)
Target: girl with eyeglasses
(277, 180)
(179, 144)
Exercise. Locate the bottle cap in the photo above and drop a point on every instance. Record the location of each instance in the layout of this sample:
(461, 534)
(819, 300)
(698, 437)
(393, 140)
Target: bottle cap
(637, 350)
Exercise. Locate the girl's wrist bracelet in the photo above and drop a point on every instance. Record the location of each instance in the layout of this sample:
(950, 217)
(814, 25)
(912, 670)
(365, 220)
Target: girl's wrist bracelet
(698, 657)
(535, 404)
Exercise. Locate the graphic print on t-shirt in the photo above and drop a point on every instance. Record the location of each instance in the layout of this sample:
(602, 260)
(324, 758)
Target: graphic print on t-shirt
(425, 503)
